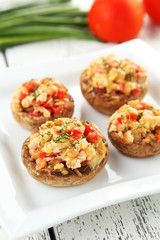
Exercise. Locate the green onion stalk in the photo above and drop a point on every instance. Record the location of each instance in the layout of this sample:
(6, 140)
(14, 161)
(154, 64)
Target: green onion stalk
(42, 20)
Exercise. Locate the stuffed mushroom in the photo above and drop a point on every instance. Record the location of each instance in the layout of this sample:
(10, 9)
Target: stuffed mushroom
(36, 102)
(65, 152)
(134, 129)
(108, 83)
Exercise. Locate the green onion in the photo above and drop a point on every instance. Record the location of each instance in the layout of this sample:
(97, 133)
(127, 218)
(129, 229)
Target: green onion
(42, 20)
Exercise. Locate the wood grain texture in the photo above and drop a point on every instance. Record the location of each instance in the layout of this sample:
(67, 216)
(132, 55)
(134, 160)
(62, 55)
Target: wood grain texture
(43, 235)
(131, 220)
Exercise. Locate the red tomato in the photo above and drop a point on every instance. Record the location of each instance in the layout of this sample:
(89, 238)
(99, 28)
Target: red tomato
(132, 116)
(76, 133)
(94, 137)
(136, 91)
(88, 128)
(60, 93)
(116, 20)
(121, 87)
(99, 90)
(153, 9)
(158, 137)
(58, 110)
(49, 104)
(23, 95)
(118, 121)
(145, 106)
(41, 154)
(34, 114)
(30, 85)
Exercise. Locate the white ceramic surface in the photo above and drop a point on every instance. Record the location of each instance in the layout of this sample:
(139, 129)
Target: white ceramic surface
(26, 205)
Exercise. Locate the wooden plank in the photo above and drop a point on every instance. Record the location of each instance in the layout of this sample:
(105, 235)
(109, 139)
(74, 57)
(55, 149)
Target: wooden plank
(43, 235)
(135, 219)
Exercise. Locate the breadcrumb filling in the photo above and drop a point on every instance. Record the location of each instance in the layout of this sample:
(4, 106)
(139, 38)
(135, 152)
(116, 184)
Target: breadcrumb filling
(67, 144)
(110, 75)
(41, 98)
(137, 122)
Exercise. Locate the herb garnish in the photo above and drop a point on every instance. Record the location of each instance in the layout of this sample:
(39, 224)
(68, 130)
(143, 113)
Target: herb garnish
(139, 116)
(34, 93)
(128, 77)
(85, 121)
(62, 136)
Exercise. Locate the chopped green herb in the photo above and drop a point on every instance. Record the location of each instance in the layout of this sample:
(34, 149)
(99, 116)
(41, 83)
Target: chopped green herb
(73, 145)
(107, 67)
(47, 133)
(85, 121)
(139, 116)
(117, 62)
(63, 148)
(128, 77)
(62, 136)
(34, 94)
(50, 138)
(124, 130)
(67, 123)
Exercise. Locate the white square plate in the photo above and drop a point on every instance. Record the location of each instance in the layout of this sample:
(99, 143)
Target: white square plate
(26, 205)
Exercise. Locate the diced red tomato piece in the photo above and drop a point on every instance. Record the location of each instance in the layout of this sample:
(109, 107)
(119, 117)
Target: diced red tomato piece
(41, 154)
(94, 137)
(88, 128)
(132, 116)
(121, 87)
(57, 110)
(145, 106)
(76, 133)
(138, 69)
(49, 104)
(51, 92)
(30, 85)
(136, 91)
(99, 90)
(118, 121)
(23, 95)
(41, 163)
(158, 136)
(60, 93)
(34, 114)
(39, 102)
(74, 118)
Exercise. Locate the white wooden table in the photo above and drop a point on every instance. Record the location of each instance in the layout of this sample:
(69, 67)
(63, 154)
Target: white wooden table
(131, 220)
